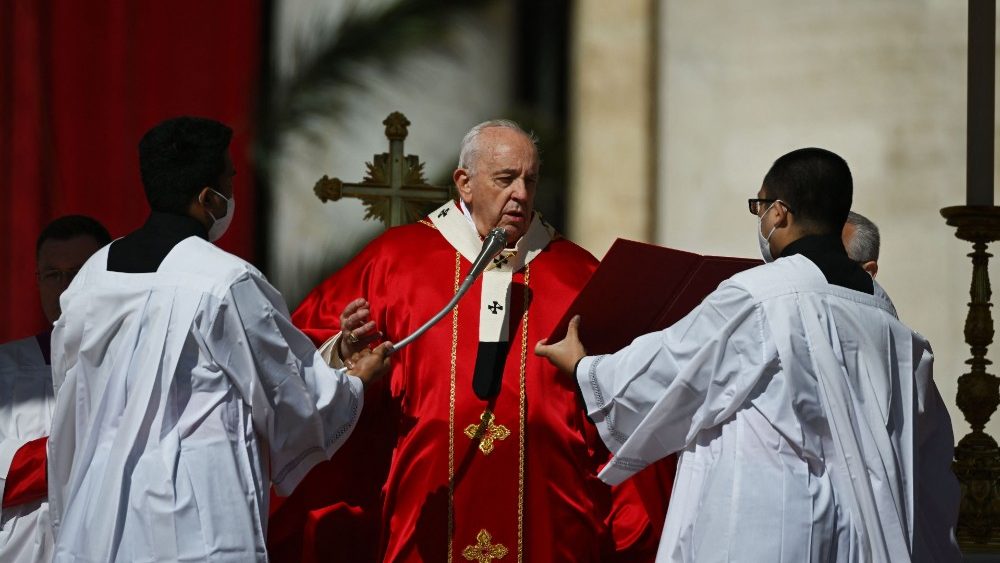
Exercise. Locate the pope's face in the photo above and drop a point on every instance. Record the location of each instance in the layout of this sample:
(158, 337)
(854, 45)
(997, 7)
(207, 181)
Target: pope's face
(499, 187)
(58, 262)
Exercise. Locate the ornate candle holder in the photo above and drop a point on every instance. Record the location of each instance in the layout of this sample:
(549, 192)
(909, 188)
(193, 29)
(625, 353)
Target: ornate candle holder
(977, 457)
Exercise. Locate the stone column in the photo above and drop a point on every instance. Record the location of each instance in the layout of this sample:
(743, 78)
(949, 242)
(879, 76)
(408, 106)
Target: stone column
(612, 122)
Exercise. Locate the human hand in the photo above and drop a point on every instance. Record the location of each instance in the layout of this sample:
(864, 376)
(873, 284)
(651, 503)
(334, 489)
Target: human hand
(565, 353)
(357, 328)
(370, 365)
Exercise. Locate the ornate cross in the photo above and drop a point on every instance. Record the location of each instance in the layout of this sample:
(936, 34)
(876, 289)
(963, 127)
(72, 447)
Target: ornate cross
(485, 550)
(487, 432)
(394, 189)
(496, 306)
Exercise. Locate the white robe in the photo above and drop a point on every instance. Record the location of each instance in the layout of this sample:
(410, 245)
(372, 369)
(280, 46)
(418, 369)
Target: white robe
(25, 413)
(808, 425)
(181, 395)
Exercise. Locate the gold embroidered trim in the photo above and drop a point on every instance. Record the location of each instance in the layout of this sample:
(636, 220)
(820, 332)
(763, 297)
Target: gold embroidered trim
(486, 433)
(451, 411)
(485, 550)
(428, 223)
(522, 422)
(522, 417)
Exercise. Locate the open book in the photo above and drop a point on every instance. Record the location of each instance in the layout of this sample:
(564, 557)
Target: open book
(640, 288)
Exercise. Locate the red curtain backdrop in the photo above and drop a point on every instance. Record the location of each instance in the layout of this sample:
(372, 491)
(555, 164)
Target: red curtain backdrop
(80, 82)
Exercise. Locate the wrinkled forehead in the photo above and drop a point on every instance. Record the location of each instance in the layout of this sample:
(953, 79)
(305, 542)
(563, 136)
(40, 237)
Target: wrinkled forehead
(506, 148)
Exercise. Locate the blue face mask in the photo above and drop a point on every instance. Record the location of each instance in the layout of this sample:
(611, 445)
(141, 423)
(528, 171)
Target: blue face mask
(764, 242)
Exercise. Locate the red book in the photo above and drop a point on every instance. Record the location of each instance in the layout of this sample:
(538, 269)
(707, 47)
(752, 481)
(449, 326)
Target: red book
(640, 288)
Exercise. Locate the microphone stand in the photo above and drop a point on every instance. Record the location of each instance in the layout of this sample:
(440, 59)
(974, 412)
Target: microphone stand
(495, 241)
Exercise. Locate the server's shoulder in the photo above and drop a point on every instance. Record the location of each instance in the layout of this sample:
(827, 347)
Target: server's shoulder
(207, 265)
(783, 276)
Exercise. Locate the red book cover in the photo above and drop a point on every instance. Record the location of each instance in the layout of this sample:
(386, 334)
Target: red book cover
(640, 288)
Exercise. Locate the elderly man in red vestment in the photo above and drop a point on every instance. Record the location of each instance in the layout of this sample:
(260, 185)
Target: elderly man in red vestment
(474, 448)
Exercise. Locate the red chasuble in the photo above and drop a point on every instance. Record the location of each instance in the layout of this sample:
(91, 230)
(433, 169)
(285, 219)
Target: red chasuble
(27, 480)
(432, 472)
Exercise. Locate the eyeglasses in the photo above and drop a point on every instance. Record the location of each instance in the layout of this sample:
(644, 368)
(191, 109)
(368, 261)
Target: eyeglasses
(757, 205)
(56, 276)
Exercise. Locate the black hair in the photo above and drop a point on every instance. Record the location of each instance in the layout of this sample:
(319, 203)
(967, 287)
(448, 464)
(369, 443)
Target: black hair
(72, 226)
(816, 185)
(179, 157)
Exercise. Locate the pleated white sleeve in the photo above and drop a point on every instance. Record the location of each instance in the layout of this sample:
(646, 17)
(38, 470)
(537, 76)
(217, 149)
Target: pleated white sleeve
(651, 398)
(302, 408)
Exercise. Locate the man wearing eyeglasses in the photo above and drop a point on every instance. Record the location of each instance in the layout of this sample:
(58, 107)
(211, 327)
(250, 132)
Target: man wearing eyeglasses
(26, 393)
(805, 415)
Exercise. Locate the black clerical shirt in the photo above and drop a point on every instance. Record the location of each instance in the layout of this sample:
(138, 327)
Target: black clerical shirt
(143, 250)
(827, 252)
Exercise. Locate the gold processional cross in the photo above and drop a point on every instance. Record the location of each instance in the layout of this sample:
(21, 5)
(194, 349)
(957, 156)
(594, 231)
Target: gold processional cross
(394, 189)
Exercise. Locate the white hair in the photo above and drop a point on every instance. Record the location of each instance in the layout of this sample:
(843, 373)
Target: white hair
(864, 244)
(470, 142)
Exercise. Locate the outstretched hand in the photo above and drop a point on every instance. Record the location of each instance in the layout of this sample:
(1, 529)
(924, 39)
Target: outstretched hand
(370, 365)
(565, 353)
(357, 328)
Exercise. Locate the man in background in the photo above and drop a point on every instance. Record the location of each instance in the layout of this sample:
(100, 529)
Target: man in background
(26, 397)
(861, 239)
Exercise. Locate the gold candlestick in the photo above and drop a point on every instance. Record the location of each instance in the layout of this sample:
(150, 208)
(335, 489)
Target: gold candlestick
(977, 457)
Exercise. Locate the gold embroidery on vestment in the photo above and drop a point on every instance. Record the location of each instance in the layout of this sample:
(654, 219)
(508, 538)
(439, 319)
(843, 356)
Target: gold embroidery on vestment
(451, 413)
(485, 550)
(522, 415)
(522, 423)
(486, 432)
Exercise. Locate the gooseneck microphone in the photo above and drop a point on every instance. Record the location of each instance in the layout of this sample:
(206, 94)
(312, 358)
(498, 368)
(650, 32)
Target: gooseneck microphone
(495, 241)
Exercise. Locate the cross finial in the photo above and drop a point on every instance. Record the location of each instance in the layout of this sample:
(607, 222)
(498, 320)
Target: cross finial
(394, 190)
(396, 126)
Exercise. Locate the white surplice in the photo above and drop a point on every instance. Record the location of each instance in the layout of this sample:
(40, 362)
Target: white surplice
(181, 396)
(808, 425)
(25, 414)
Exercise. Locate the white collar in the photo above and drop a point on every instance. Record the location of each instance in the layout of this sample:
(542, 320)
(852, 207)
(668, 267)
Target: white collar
(497, 278)
(468, 215)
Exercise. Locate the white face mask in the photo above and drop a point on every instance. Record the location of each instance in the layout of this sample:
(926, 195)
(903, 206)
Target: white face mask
(764, 242)
(220, 225)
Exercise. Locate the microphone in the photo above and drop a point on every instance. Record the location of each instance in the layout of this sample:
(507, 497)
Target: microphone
(496, 240)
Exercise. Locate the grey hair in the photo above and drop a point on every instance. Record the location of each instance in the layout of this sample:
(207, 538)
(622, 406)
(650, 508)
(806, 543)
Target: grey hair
(470, 142)
(864, 245)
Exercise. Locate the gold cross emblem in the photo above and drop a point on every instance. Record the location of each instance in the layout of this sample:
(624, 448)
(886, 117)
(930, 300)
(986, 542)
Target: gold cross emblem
(484, 551)
(486, 432)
